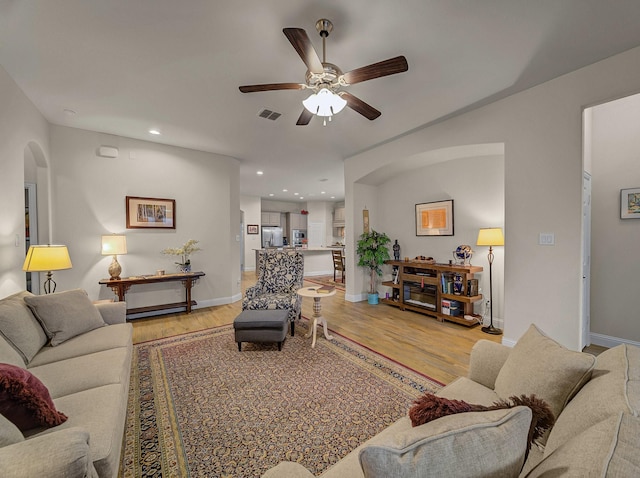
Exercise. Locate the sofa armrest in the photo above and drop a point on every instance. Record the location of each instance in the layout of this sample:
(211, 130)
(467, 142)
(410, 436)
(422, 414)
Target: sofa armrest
(61, 453)
(487, 358)
(113, 312)
(288, 469)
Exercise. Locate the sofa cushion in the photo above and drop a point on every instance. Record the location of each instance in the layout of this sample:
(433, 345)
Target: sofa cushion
(20, 327)
(9, 433)
(541, 366)
(465, 389)
(614, 387)
(64, 454)
(25, 401)
(608, 448)
(9, 354)
(89, 371)
(494, 444)
(65, 314)
(97, 340)
(101, 412)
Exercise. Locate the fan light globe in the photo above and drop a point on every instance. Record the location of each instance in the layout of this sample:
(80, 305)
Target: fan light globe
(324, 103)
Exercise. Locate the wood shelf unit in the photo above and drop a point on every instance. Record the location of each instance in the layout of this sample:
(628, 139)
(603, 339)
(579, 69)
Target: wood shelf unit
(423, 282)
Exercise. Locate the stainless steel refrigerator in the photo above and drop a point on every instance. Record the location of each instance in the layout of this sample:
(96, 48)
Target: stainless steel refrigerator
(272, 237)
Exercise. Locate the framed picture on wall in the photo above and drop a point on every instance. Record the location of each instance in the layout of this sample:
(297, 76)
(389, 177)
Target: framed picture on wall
(434, 218)
(252, 228)
(630, 203)
(150, 213)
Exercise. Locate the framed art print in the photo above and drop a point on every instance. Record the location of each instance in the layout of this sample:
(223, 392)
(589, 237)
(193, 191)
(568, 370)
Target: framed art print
(150, 213)
(252, 228)
(434, 218)
(630, 203)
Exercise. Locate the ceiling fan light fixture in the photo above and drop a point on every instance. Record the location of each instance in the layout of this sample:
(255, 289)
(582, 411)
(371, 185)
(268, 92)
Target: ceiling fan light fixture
(324, 103)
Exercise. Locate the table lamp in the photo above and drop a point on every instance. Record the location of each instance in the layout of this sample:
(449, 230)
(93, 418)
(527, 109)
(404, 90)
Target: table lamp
(112, 245)
(491, 236)
(47, 258)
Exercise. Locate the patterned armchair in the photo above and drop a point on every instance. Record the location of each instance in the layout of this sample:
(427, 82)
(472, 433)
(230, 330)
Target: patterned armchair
(279, 277)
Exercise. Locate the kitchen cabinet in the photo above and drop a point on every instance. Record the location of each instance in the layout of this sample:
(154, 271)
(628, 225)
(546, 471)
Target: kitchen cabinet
(338, 217)
(271, 219)
(297, 221)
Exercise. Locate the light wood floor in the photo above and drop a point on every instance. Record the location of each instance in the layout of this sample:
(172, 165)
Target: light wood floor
(439, 350)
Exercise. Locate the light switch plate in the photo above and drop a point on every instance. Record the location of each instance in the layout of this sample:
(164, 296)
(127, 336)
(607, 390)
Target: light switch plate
(547, 239)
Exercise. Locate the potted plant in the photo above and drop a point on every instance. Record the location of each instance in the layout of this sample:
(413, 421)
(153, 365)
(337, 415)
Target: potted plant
(373, 251)
(184, 253)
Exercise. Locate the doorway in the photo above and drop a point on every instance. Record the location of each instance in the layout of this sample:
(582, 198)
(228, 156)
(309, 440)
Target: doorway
(31, 232)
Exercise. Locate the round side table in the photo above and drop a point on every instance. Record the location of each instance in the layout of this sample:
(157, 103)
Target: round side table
(317, 317)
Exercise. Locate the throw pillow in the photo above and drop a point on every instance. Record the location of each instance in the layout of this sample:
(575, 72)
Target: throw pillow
(431, 407)
(25, 401)
(489, 444)
(20, 327)
(541, 366)
(64, 315)
(608, 448)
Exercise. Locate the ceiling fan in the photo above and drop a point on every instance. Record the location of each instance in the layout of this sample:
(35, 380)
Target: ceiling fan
(326, 79)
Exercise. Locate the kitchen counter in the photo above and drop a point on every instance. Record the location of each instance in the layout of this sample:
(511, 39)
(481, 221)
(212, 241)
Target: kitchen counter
(317, 261)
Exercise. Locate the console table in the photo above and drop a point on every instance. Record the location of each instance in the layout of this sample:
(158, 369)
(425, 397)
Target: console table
(121, 286)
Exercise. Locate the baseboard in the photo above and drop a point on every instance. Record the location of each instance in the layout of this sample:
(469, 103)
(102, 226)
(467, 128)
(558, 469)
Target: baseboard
(219, 301)
(319, 273)
(355, 297)
(610, 342)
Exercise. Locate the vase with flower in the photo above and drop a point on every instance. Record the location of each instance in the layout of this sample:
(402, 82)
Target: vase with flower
(184, 253)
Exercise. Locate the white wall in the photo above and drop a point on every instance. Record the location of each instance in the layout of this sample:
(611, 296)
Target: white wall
(541, 129)
(615, 266)
(476, 186)
(252, 215)
(89, 197)
(21, 127)
(321, 212)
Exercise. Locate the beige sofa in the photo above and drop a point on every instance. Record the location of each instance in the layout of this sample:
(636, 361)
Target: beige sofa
(597, 432)
(86, 373)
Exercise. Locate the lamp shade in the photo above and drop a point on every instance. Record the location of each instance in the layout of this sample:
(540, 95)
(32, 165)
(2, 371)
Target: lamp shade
(43, 258)
(324, 103)
(114, 244)
(490, 236)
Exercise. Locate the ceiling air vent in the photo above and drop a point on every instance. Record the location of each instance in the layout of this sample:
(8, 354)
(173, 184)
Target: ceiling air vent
(268, 114)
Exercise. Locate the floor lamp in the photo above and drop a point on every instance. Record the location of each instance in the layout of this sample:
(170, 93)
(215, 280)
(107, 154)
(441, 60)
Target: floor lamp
(491, 236)
(47, 259)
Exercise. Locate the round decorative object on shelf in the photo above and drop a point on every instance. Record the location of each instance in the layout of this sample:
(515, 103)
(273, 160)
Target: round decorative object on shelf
(463, 254)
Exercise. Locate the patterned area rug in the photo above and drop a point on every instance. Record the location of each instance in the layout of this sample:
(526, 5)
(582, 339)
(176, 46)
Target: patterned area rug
(198, 407)
(325, 280)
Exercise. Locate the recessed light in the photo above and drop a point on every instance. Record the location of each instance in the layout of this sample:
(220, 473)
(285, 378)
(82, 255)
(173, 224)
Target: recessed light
(154, 131)
(285, 190)
(333, 197)
(259, 173)
(295, 194)
(301, 197)
(322, 192)
(271, 194)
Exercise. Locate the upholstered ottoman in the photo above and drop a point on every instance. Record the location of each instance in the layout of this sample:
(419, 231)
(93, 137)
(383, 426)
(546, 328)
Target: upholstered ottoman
(261, 326)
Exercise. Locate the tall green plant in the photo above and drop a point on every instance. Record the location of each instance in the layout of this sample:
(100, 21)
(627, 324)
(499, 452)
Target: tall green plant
(372, 249)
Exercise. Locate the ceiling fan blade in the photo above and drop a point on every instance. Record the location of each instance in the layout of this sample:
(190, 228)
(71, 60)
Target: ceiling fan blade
(376, 70)
(300, 41)
(271, 87)
(356, 104)
(304, 118)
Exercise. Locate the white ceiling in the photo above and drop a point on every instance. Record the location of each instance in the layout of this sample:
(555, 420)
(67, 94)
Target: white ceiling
(125, 66)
